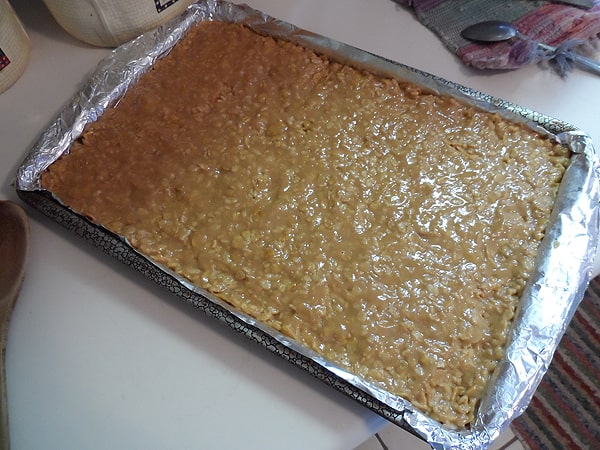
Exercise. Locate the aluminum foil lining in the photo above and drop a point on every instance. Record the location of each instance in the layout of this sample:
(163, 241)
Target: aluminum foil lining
(563, 267)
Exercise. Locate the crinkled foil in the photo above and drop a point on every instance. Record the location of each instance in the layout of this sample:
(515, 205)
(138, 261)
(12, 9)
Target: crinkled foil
(552, 294)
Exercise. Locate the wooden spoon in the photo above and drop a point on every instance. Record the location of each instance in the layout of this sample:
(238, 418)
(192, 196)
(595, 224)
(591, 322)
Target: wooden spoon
(14, 240)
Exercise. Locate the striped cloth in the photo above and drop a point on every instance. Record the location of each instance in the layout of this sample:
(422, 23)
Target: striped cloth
(564, 413)
(556, 24)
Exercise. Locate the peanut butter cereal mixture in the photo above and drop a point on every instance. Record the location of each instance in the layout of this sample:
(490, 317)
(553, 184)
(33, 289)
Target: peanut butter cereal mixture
(390, 229)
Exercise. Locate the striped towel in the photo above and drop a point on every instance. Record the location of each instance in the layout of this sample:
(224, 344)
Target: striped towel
(556, 24)
(564, 413)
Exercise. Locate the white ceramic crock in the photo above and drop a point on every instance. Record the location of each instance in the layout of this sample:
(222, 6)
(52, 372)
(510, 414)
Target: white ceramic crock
(15, 46)
(110, 23)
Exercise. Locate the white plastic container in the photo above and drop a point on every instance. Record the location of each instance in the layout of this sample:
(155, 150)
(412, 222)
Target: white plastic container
(15, 46)
(110, 23)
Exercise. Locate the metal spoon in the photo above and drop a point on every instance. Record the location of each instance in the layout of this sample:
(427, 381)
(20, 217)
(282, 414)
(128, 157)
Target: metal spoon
(14, 240)
(498, 30)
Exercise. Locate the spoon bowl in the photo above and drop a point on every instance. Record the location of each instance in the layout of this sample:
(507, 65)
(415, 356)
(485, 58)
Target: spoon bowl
(14, 240)
(490, 31)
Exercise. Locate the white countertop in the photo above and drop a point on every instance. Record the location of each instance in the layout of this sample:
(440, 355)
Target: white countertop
(100, 358)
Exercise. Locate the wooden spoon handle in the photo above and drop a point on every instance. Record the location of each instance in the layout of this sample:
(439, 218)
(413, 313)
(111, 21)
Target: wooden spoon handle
(14, 240)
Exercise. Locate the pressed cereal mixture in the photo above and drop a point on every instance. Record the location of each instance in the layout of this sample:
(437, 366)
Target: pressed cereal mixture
(390, 229)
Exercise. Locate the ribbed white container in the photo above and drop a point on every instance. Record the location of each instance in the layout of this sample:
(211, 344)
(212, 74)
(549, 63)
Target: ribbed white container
(15, 46)
(110, 23)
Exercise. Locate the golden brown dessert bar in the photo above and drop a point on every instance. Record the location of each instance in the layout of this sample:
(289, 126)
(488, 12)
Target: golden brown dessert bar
(390, 229)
